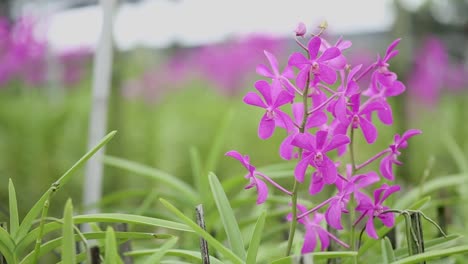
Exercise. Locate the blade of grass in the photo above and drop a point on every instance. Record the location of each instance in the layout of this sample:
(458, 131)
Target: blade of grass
(158, 255)
(160, 176)
(38, 206)
(187, 254)
(211, 240)
(388, 255)
(433, 255)
(231, 227)
(7, 246)
(430, 244)
(68, 240)
(111, 249)
(317, 256)
(13, 204)
(256, 238)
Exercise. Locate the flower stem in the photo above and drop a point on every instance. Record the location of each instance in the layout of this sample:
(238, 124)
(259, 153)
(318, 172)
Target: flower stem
(292, 229)
(352, 204)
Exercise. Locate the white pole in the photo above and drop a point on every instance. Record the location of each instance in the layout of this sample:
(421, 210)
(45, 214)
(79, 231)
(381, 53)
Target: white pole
(98, 118)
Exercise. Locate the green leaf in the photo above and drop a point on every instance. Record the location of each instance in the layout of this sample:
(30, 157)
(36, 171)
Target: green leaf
(14, 219)
(428, 187)
(256, 238)
(68, 241)
(157, 256)
(227, 217)
(111, 250)
(162, 177)
(7, 246)
(187, 254)
(211, 240)
(199, 177)
(435, 254)
(317, 256)
(429, 244)
(37, 208)
(387, 251)
(103, 218)
(216, 145)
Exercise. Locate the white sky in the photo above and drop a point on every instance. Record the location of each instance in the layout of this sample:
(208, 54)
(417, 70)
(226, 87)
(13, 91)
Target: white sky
(158, 23)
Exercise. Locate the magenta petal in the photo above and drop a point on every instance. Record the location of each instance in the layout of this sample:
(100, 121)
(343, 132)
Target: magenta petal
(301, 79)
(297, 59)
(392, 46)
(386, 168)
(385, 114)
(368, 129)
(283, 120)
(266, 127)
(252, 98)
(337, 63)
(396, 89)
(304, 141)
(273, 62)
(283, 98)
(370, 228)
(314, 46)
(390, 191)
(364, 202)
(327, 74)
(329, 171)
(262, 190)
(329, 54)
(333, 215)
(316, 184)
(298, 112)
(410, 133)
(337, 141)
(310, 241)
(388, 219)
(288, 72)
(301, 169)
(323, 237)
(321, 138)
(264, 71)
(286, 149)
(265, 89)
(316, 119)
(235, 154)
(340, 110)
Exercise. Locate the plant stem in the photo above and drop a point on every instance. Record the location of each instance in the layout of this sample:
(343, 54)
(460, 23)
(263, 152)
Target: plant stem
(292, 229)
(352, 204)
(37, 247)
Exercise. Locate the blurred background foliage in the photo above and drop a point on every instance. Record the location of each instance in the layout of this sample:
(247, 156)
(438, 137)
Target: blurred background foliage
(166, 101)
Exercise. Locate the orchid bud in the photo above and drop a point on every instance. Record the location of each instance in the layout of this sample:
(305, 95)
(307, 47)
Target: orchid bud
(300, 29)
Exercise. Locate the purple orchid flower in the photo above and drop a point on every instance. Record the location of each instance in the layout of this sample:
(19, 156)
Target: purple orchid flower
(314, 120)
(273, 116)
(262, 188)
(357, 117)
(312, 230)
(349, 88)
(315, 149)
(318, 65)
(279, 79)
(375, 208)
(400, 142)
(346, 188)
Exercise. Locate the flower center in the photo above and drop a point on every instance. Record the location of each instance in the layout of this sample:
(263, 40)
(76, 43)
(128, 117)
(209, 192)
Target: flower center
(318, 159)
(355, 121)
(270, 114)
(315, 67)
(378, 210)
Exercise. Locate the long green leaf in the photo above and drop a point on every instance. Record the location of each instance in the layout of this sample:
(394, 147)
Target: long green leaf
(157, 256)
(14, 219)
(433, 255)
(429, 244)
(37, 208)
(68, 241)
(388, 255)
(187, 254)
(429, 187)
(317, 256)
(7, 246)
(211, 240)
(51, 245)
(160, 176)
(111, 250)
(228, 218)
(256, 238)
(103, 218)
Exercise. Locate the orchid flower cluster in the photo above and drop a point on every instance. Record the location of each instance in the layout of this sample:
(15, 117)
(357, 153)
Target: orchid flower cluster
(327, 105)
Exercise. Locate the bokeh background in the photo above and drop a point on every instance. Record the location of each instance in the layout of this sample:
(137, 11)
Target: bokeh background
(179, 71)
